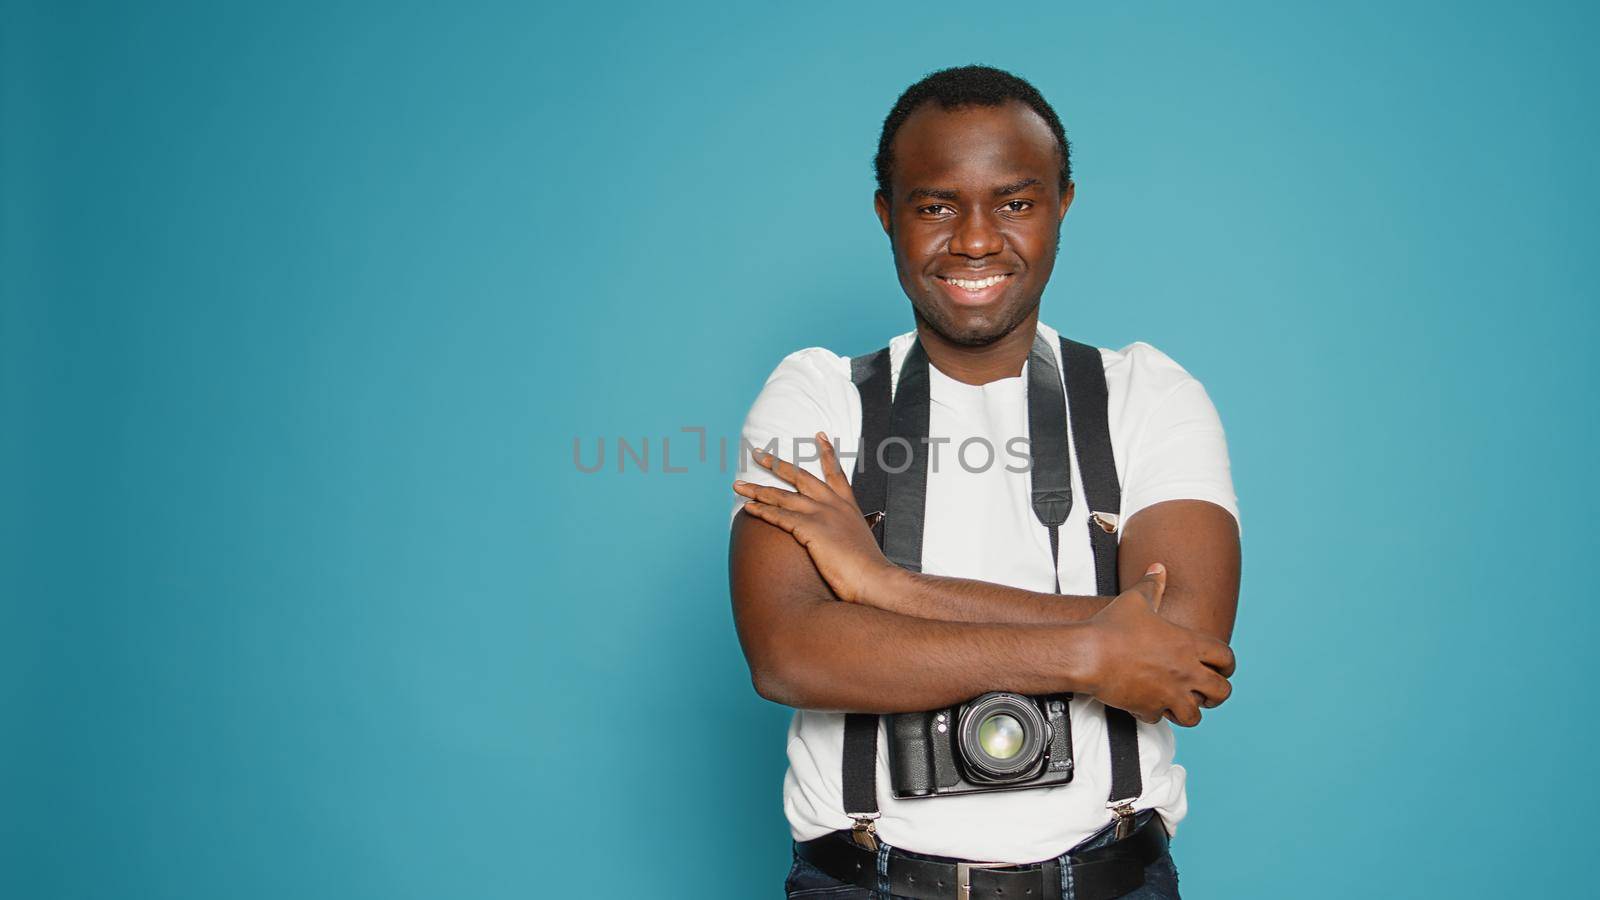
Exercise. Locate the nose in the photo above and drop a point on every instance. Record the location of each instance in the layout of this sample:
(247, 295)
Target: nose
(976, 236)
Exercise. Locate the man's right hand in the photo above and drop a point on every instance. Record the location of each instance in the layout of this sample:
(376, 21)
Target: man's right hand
(1153, 668)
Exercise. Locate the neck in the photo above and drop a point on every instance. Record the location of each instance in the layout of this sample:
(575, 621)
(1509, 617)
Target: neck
(980, 365)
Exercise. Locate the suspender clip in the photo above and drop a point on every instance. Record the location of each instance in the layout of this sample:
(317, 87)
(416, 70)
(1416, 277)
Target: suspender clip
(865, 833)
(1123, 810)
(1107, 521)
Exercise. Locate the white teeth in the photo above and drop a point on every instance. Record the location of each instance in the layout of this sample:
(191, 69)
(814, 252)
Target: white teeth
(978, 285)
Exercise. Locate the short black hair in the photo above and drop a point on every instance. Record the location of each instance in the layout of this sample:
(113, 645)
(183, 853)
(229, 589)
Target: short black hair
(953, 88)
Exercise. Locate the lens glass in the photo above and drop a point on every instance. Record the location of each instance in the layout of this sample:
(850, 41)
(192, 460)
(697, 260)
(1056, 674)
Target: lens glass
(1000, 736)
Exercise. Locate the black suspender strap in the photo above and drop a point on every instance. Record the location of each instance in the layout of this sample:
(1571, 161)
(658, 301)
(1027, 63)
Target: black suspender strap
(1091, 429)
(1086, 392)
(870, 483)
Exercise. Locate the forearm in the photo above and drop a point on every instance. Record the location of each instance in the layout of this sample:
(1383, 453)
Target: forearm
(968, 600)
(809, 650)
(847, 657)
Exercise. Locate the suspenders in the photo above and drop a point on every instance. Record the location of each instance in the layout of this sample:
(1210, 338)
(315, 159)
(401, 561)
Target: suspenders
(1091, 428)
(891, 474)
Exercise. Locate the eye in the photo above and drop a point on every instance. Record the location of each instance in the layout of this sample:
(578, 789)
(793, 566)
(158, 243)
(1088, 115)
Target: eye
(1019, 205)
(930, 209)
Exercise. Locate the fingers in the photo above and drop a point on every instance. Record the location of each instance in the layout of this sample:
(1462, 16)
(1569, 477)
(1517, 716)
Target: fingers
(804, 482)
(1159, 573)
(1212, 689)
(832, 471)
(1219, 656)
(1185, 713)
(1153, 585)
(773, 515)
(775, 496)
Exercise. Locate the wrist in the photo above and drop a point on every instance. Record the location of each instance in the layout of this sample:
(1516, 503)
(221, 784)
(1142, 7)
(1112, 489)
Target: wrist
(1085, 664)
(882, 585)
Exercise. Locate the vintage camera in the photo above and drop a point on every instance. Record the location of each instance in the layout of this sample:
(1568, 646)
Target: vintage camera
(999, 741)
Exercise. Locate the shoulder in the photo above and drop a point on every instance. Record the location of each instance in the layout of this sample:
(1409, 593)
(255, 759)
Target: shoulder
(1150, 397)
(1138, 376)
(815, 378)
(1166, 434)
(1139, 373)
(813, 366)
(821, 373)
(808, 390)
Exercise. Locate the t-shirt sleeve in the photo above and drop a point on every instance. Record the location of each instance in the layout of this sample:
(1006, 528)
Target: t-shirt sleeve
(808, 392)
(1178, 451)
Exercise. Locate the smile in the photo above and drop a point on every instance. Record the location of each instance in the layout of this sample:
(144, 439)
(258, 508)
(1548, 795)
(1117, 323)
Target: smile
(974, 286)
(974, 292)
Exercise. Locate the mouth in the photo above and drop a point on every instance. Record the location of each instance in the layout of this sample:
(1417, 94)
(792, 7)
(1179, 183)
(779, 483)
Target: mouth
(974, 291)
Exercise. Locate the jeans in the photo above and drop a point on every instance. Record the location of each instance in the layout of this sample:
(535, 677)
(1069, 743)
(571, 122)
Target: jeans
(807, 882)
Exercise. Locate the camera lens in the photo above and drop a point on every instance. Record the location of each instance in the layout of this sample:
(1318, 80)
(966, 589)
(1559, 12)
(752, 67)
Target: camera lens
(1003, 738)
(1000, 736)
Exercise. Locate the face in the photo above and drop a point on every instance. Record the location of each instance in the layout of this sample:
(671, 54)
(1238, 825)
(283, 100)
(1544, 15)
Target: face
(975, 217)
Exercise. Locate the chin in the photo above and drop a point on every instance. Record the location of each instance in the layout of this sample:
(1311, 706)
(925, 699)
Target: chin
(969, 327)
(975, 336)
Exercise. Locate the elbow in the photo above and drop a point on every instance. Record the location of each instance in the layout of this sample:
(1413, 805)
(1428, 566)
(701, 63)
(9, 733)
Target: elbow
(768, 676)
(789, 678)
(773, 683)
(768, 686)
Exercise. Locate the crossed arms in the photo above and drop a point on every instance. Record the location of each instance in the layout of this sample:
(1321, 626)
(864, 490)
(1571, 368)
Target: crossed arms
(828, 623)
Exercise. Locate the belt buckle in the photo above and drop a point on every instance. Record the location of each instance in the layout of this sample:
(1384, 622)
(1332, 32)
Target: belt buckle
(964, 876)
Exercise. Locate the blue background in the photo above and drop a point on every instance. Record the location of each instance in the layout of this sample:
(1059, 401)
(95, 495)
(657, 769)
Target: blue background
(304, 307)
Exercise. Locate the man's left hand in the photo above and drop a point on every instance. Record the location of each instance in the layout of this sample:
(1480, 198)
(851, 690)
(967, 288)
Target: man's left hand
(823, 516)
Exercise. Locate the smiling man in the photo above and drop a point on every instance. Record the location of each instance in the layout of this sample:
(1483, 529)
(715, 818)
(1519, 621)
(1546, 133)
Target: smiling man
(987, 564)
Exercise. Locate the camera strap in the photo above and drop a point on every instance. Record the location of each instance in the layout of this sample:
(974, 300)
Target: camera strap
(896, 413)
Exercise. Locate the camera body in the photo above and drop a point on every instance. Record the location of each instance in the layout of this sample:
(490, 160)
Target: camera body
(999, 741)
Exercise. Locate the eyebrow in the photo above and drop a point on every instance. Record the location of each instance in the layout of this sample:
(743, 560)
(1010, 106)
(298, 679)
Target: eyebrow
(1004, 190)
(1015, 186)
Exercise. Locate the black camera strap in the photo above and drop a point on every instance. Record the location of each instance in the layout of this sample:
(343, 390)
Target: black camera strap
(896, 414)
(1047, 447)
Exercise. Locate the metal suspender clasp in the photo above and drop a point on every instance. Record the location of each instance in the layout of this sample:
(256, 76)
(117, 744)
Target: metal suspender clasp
(1106, 521)
(865, 833)
(1123, 810)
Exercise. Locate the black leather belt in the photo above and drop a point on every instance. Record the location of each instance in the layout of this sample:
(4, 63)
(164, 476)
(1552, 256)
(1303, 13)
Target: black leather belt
(1098, 874)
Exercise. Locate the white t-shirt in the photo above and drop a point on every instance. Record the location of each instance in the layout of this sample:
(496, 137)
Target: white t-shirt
(1168, 444)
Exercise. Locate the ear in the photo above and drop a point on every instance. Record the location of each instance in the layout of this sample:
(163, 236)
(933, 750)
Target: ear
(880, 204)
(1066, 198)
